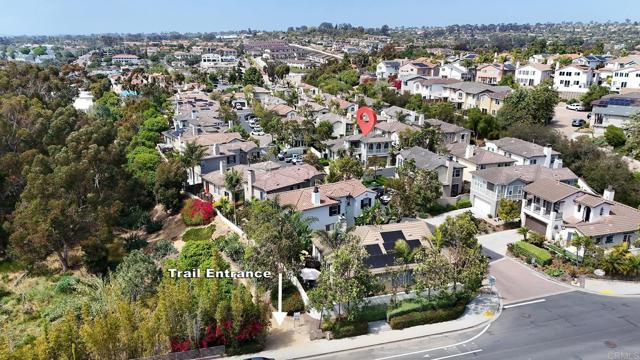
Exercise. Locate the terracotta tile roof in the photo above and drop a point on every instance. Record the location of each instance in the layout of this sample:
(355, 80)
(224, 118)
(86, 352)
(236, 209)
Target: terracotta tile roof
(591, 200)
(480, 155)
(285, 176)
(300, 199)
(623, 219)
(526, 173)
(520, 147)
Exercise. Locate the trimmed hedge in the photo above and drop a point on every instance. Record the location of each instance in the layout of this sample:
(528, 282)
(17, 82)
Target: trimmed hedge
(542, 256)
(427, 317)
(408, 307)
(199, 234)
(347, 329)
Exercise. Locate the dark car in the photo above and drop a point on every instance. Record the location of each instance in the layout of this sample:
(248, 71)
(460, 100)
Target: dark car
(259, 358)
(578, 122)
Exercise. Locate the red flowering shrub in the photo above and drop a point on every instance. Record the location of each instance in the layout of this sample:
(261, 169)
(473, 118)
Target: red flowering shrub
(180, 346)
(197, 212)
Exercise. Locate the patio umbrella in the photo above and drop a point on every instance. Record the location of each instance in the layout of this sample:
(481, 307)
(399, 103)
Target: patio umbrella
(309, 274)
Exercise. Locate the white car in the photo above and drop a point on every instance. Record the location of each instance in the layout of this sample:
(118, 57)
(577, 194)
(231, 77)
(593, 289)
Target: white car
(257, 132)
(576, 107)
(253, 123)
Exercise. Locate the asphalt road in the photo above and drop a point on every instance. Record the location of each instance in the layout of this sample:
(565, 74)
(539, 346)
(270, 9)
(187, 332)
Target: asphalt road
(242, 121)
(563, 117)
(573, 325)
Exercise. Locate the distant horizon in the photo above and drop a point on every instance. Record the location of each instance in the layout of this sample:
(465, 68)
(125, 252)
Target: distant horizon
(121, 17)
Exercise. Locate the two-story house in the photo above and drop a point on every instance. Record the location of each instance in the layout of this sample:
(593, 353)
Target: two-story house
(330, 203)
(530, 75)
(560, 212)
(342, 126)
(451, 133)
(359, 146)
(450, 172)
(523, 152)
(475, 158)
(574, 80)
(414, 68)
(490, 185)
(456, 71)
(626, 79)
(388, 68)
(492, 73)
(466, 95)
(426, 88)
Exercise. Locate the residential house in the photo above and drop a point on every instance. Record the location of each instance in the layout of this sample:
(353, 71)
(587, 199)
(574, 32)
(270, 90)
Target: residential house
(523, 152)
(197, 111)
(84, 101)
(476, 158)
(592, 61)
(560, 212)
(392, 130)
(492, 73)
(415, 68)
(613, 110)
(342, 126)
(530, 75)
(451, 133)
(574, 80)
(426, 88)
(396, 113)
(388, 68)
(450, 172)
(491, 102)
(229, 148)
(359, 146)
(379, 243)
(490, 185)
(261, 180)
(330, 204)
(466, 95)
(626, 79)
(456, 71)
(283, 110)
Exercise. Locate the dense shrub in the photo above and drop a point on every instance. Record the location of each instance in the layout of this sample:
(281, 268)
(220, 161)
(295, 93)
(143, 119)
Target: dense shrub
(152, 226)
(231, 246)
(373, 312)
(199, 234)
(66, 284)
(162, 248)
(195, 253)
(343, 329)
(524, 249)
(133, 242)
(197, 212)
(463, 203)
(427, 317)
(292, 303)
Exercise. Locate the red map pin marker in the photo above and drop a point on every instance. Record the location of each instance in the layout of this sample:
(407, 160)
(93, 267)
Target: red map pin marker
(366, 119)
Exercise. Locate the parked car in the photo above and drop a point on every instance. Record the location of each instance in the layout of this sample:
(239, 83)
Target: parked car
(297, 159)
(253, 123)
(249, 116)
(286, 154)
(238, 106)
(576, 107)
(257, 132)
(578, 122)
(589, 116)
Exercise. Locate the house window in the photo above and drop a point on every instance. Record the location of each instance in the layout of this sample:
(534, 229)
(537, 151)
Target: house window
(231, 159)
(457, 172)
(598, 240)
(601, 211)
(533, 161)
(365, 203)
(482, 167)
(626, 237)
(609, 239)
(579, 207)
(490, 186)
(334, 210)
(328, 227)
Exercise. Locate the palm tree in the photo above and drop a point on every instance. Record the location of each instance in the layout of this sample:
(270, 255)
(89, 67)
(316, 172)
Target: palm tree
(191, 157)
(335, 238)
(582, 243)
(232, 182)
(524, 231)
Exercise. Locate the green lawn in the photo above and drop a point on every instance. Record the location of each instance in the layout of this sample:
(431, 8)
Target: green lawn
(198, 234)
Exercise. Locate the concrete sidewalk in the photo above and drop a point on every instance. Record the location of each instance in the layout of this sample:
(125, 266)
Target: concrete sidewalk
(482, 309)
(612, 287)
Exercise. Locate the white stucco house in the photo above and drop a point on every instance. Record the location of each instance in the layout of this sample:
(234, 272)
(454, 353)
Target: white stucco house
(532, 74)
(523, 152)
(573, 80)
(330, 203)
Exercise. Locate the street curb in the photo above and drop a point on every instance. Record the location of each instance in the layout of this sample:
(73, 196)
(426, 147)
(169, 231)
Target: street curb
(484, 323)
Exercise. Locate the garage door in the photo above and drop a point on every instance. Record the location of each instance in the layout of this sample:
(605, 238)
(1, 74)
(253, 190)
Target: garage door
(481, 207)
(535, 225)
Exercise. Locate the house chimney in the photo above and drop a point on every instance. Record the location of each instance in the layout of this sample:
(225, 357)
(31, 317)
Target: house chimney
(193, 130)
(547, 155)
(193, 113)
(609, 193)
(517, 64)
(557, 164)
(469, 151)
(315, 196)
(215, 149)
(251, 178)
(421, 120)
(557, 65)
(449, 163)
(223, 166)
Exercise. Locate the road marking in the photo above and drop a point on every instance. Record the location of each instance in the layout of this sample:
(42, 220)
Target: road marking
(455, 355)
(524, 303)
(439, 347)
(607, 292)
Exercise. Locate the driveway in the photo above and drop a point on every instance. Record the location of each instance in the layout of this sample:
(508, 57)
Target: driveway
(497, 242)
(563, 117)
(516, 282)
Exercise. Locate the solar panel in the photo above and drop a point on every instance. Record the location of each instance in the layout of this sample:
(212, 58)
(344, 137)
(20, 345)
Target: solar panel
(373, 249)
(379, 261)
(389, 246)
(414, 243)
(392, 236)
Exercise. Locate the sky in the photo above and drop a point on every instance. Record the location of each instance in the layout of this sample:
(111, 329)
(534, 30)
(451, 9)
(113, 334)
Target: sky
(56, 17)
